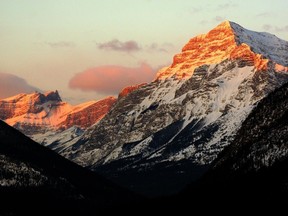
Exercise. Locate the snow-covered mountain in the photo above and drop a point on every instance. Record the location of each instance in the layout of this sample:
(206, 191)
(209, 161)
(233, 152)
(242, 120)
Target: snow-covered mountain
(253, 168)
(262, 140)
(35, 114)
(192, 109)
(169, 130)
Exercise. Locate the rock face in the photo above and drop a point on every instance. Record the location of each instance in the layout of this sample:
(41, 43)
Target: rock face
(191, 111)
(262, 140)
(37, 112)
(127, 90)
(253, 168)
(85, 115)
(21, 104)
(227, 41)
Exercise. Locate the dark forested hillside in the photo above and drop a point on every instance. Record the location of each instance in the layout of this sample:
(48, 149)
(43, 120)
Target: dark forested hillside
(33, 177)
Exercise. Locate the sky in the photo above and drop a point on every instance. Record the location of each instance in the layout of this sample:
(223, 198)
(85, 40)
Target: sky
(89, 49)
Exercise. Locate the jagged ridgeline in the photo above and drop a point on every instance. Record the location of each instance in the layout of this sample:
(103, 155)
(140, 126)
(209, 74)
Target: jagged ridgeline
(159, 136)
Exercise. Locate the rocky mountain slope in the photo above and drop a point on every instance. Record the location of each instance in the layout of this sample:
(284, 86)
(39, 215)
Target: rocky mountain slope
(253, 168)
(190, 112)
(34, 178)
(168, 132)
(38, 113)
(262, 141)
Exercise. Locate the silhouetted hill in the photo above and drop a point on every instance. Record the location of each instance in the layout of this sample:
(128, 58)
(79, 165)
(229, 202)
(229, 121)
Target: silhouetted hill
(33, 178)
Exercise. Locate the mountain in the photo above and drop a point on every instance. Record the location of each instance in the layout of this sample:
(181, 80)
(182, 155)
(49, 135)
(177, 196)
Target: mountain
(33, 178)
(38, 113)
(261, 142)
(253, 168)
(166, 133)
(228, 41)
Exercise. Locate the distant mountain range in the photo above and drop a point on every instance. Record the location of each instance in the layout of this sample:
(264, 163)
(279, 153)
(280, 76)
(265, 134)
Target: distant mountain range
(37, 112)
(195, 124)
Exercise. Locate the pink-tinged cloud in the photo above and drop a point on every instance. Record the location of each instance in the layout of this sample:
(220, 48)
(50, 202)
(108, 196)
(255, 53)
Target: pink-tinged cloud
(111, 79)
(11, 85)
(116, 45)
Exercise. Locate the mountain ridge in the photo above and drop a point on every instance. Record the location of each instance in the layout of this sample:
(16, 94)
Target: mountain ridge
(40, 112)
(231, 41)
(180, 123)
(175, 126)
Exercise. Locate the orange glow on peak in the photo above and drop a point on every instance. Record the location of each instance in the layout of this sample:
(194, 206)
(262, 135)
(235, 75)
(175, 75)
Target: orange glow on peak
(217, 45)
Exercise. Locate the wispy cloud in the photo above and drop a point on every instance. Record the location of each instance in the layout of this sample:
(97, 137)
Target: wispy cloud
(264, 14)
(61, 44)
(219, 18)
(110, 79)
(194, 10)
(282, 29)
(117, 45)
(203, 22)
(268, 27)
(133, 46)
(216, 19)
(226, 6)
(155, 47)
(11, 85)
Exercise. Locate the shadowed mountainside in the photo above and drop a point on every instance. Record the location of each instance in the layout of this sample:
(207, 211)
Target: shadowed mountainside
(34, 177)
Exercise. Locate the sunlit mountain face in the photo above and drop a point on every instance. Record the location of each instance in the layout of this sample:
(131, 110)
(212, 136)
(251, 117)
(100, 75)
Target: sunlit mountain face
(169, 131)
(157, 137)
(228, 41)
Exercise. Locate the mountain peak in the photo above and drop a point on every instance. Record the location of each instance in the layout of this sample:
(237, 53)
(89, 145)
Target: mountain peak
(225, 24)
(52, 96)
(231, 41)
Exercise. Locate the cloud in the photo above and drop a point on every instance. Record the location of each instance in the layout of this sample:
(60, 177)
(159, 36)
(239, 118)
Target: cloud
(60, 44)
(226, 6)
(195, 10)
(268, 27)
(203, 22)
(116, 45)
(11, 85)
(111, 79)
(214, 20)
(281, 29)
(133, 46)
(155, 47)
(264, 14)
(219, 19)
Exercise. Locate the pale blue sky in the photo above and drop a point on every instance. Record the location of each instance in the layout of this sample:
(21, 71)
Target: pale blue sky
(48, 41)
